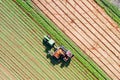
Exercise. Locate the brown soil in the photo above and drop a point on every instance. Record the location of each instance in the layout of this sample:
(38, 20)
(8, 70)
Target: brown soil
(90, 28)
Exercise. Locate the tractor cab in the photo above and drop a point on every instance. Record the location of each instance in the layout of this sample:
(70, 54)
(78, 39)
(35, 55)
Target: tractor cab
(48, 41)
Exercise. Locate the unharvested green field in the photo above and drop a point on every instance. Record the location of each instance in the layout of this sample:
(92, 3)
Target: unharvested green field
(22, 54)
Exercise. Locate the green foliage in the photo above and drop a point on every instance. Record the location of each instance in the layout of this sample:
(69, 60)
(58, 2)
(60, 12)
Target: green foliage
(62, 39)
(111, 10)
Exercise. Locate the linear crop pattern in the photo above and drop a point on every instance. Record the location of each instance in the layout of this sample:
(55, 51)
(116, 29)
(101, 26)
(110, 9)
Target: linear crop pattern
(89, 27)
(111, 9)
(22, 54)
(52, 29)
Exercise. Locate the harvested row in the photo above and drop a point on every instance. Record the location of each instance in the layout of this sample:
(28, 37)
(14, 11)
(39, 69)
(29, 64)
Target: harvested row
(21, 60)
(21, 30)
(93, 68)
(52, 29)
(32, 44)
(22, 52)
(57, 15)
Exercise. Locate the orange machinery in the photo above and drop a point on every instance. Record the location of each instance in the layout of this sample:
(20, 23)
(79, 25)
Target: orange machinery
(61, 52)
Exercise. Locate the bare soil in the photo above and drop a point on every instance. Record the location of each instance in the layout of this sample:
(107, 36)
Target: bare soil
(90, 28)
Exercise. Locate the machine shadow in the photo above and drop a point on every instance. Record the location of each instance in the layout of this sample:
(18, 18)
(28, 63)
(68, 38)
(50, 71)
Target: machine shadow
(47, 47)
(55, 61)
(52, 59)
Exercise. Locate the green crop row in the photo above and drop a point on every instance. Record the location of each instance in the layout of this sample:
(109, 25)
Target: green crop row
(20, 31)
(7, 13)
(110, 9)
(23, 34)
(28, 25)
(60, 38)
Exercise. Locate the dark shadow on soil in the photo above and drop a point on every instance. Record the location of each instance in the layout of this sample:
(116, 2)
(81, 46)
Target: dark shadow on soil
(48, 48)
(55, 61)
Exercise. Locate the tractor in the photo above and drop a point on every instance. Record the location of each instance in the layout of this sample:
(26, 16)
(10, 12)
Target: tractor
(48, 41)
(58, 52)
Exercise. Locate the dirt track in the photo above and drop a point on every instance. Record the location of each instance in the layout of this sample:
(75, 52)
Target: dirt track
(90, 28)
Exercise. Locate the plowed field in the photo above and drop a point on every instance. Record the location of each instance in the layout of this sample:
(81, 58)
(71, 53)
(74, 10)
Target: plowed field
(90, 28)
(23, 56)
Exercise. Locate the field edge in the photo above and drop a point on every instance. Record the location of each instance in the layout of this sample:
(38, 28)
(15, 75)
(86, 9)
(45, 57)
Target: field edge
(29, 12)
